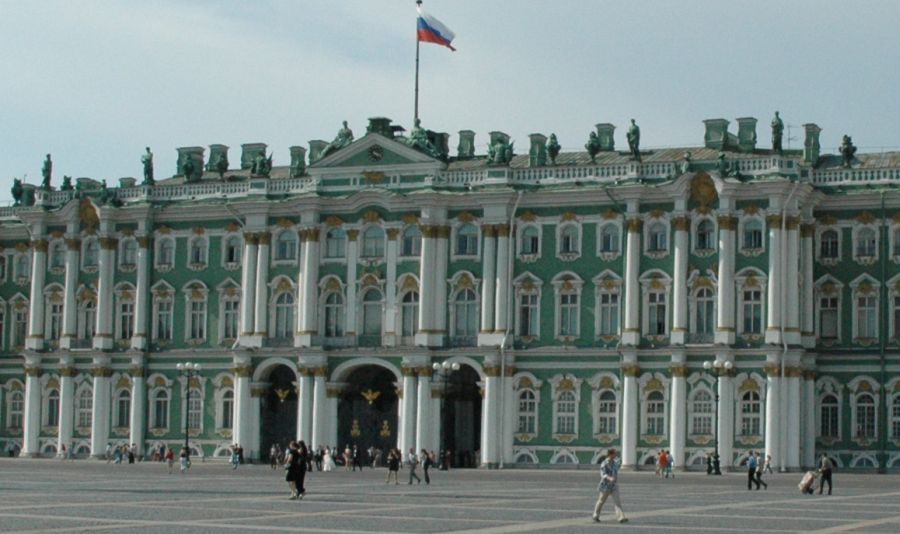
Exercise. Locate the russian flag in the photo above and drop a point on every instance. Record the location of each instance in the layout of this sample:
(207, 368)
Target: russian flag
(431, 30)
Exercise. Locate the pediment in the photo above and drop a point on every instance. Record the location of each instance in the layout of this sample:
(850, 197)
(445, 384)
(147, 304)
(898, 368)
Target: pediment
(371, 151)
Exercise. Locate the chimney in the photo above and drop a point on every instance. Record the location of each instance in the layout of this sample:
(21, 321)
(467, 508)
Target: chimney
(811, 143)
(746, 134)
(499, 137)
(298, 161)
(249, 151)
(466, 148)
(316, 146)
(441, 141)
(380, 125)
(214, 152)
(195, 154)
(537, 155)
(605, 134)
(716, 134)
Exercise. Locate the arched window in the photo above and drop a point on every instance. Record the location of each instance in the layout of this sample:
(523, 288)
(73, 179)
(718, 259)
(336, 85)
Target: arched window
(160, 411)
(865, 416)
(412, 241)
(657, 238)
(52, 408)
(334, 315)
(231, 311)
(90, 253)
(373, 242)
(568, 314)
(123, 408)
(16, 410)
(656, 307)
(566, 409)
(752, 303)
(372, 313)
(702, 414)
(568, 239)
(829, 417)
(895, 418)
(609, 238)
(530, 243)
(705, 319)
(705, 239)
(227, 409)
(286, 245)
(607, 412)
(195, 409)
(465, 312)
(656, 414)
(58, 255)
(335, 243)
(197, 251)
(527, 412)
(54, 318)
(467, 240)
(85, 408)
(196, 315)
(828, 245)
(409, 314)
(284, 316)
(128, 254)
(828, 317)
(608, 312)
(124, 317)
(866, 316)
(865, 243)
(233, 250)
(751, 414)
(752, 238)
(165, 256)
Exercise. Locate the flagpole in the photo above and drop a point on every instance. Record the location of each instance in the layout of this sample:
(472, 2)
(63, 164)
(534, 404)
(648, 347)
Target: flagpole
(416, 109)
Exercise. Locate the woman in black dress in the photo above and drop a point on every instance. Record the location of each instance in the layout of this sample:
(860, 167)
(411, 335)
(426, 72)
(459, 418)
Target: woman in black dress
(303, 466)
(393, 461)
(293, 465)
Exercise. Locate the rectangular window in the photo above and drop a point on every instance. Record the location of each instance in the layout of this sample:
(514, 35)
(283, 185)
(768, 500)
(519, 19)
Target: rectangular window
(609, 314)
(528, 315)
(828, 318)
(752, 238)
(123, 411)
(20, 326)
(56, 315)
(198, 320)
(657, 311)
(656, 418)
(866, 325)
(829, 421)
(568, 315)
(164, 320)
(752, 311)
(195, 410)
(231, 312)
(126, 320)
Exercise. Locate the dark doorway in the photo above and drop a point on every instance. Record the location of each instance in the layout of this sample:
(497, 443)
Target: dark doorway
(278, 410)
(367, 412)
(461, 420)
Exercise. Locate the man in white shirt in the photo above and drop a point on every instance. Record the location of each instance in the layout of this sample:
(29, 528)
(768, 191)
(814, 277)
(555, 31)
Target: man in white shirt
(413, 462)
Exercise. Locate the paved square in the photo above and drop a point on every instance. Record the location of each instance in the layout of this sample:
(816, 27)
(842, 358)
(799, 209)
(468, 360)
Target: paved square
(88, 496)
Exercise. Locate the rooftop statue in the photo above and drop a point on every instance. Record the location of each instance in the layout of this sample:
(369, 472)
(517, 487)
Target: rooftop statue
(777, 132)
(500, 153)
(344, 137)
(47, 172)
(686, 162)
(104, 193)
(726, 169)
(66, 184)
(553, 148)
(147, 160)
(634, 140)
(848, 151)
(418, 139)
(222, 165)
(262, 165)
(593, 146)
(187, 168)
(17, 191)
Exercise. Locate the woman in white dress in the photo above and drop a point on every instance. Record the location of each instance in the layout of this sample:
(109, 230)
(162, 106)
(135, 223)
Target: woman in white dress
(328, 461)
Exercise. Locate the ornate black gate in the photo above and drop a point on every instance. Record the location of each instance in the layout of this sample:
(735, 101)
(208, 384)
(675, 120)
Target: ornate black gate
(367, 412)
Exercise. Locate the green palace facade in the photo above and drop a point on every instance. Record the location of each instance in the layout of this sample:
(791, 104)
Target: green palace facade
(515, 309)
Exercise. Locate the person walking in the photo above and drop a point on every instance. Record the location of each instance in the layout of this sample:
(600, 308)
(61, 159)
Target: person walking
(669, 462)
(303, 463)
(185, 461)
(109, 455)
(609, 486)
(826, 465)
(393, 461)
(328, 460)
(760, 469)
(357, 458)
(235, 459)
(292, 463)
(170, 459)
(752, 465)
(768, 466)
(131, 452)
(426, 463)
(413, 462)
(664, 463)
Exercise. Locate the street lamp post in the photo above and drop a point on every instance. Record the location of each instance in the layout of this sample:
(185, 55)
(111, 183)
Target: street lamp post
(443, 370)
(718, 366)
(188, 370)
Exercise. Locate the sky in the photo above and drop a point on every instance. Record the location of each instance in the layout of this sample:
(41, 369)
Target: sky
(93, 82)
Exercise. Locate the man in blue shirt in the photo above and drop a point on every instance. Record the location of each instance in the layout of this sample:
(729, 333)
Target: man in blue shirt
(752, 464)
(609, 485)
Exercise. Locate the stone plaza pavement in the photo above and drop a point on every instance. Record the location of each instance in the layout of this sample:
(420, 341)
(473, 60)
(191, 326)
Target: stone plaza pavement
(89, 496)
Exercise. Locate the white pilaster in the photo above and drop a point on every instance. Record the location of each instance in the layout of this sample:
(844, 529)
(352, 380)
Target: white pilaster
(321, 417)
(792, 283)
(253, 422)
(725, 331)
(630, 371)
(490, 431)
(69, 333)
(241, 416)
(488, 283)
(35, 339)
(309, 291)
(305, 406)
(66, 402)
(440, 287)
(427, 286)
(793, 419)
(390, 293)
(773, 412)
(809, 419)
(32, 420)
(408, 415)
(774, 282)
(103, 339)
(679, 282)
(141, 299)
(807, 232)
(509, 418)
(437, 444)
(502, 302)
(631, 334)
(138, 403)
(261, 298)
(423, 409)
(678, 410)
(332, 406)
(100, 415)
(725, 433)
(248, 290)
(352, 258)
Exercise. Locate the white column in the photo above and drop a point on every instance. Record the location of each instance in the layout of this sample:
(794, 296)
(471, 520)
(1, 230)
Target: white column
(809, 419)
(310, 290)
(103, 339)
(725, 434)
(248, 288)
(305, 406)
(138, 404)
(773, 304)
(773, 413)
(501, 304)
(427, 282)
(142, 298)
(67, 374)
(69, 333)
(332, 405)
(792, 283)
(423, 409)
(725, 306)
(352, 258)
(807, 232)
(261, 299)
(489, 273)
(240, 419)
(629, 414)
(679, 281)
(509, 417)
(437, 443)
(490, 431)
(321, 417)
(390, 292)
(792, 454)
(408, 415)
(35, 339)
(253, 422)
(678, 412)
(631, 334)
(32, 422)
(101, 401)
(440, 287)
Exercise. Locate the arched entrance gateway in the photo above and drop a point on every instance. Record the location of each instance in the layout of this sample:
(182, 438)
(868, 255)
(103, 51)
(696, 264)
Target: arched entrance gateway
(461, 416)
(278, 410)
(367, 411)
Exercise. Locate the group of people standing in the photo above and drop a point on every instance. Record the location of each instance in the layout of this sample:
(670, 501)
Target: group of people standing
(395, 459)
(119, 453)
(664, 464)
(756, 466)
